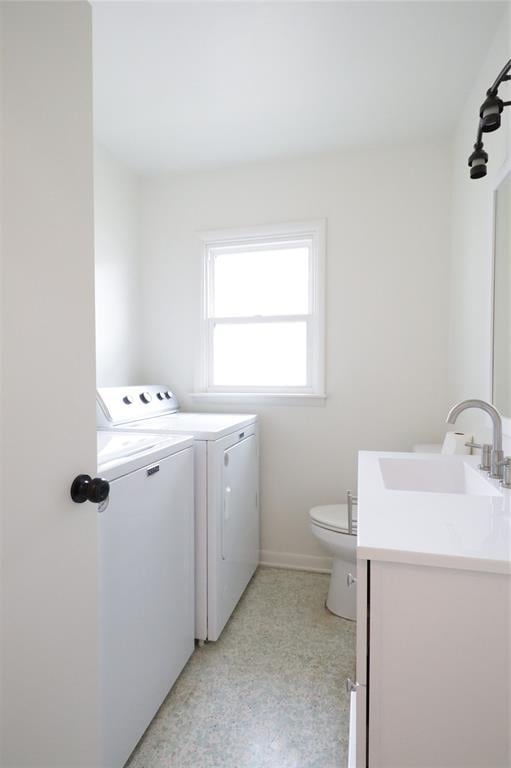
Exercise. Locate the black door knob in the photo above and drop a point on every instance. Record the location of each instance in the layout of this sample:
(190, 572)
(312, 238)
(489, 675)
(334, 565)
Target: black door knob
(86, 488)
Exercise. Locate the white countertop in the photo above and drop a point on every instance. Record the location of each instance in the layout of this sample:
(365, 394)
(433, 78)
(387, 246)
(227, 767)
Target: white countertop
(454, 530)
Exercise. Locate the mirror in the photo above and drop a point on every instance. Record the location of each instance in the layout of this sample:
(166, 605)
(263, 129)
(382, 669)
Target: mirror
(502, 298)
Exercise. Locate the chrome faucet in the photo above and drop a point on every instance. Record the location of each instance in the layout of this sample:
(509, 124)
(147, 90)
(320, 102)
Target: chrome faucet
(497, 454)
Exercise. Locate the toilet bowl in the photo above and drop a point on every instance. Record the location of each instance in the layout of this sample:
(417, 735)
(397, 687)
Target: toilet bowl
(329, 524)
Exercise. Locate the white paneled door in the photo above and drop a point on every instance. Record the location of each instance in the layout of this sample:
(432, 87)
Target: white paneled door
(49, 577)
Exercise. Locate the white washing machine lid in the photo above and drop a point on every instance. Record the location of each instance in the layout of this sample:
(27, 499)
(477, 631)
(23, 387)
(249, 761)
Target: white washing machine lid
(122, 452)
(202, 426)
(333, 517)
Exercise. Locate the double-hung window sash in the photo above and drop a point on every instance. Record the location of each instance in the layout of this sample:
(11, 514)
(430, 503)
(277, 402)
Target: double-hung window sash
(262, 314)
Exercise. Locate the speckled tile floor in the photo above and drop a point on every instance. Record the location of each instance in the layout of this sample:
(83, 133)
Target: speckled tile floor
(269, 694)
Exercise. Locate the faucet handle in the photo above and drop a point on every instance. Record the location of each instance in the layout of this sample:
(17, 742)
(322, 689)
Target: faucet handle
(486, 450)
(506, 475)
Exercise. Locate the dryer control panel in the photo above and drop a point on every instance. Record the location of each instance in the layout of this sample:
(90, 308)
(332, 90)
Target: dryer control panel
(120, 405)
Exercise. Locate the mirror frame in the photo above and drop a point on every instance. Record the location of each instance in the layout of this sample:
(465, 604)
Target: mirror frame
(504, 172)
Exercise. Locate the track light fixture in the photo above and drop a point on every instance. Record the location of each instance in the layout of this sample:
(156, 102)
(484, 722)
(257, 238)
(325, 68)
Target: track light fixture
(489, 120)
(490, 112)
(477, 162)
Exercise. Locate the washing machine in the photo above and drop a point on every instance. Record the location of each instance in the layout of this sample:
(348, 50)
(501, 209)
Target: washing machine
(227, 520)
(146, 580)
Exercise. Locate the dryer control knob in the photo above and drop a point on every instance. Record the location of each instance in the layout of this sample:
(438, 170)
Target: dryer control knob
(127, 399)
(168, 394)
(146, 397)
(160, 395)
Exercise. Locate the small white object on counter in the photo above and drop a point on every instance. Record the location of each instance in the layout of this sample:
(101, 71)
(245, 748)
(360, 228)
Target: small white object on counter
(456, 443)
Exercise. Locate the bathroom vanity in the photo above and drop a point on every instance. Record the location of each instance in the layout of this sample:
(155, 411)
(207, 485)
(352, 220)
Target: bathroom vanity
(433, 615)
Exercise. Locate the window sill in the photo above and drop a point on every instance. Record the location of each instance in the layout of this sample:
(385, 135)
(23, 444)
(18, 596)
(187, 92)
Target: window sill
(258, 398)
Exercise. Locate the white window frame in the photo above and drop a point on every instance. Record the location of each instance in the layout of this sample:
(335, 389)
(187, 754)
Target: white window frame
(281, 235)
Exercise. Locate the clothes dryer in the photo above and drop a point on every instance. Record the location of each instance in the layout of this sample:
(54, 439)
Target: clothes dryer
(227, 520)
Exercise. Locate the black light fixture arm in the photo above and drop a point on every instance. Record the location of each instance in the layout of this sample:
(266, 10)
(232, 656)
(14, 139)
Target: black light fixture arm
(501, 77)
(489, 120)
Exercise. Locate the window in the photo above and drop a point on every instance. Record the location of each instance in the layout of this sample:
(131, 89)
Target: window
(263, 314)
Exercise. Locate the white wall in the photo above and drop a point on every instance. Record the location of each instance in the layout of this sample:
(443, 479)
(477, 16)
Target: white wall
(388, 215)
(471, 260)
(117, 273)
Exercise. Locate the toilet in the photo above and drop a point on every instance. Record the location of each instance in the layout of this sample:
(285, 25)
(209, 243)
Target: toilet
(329, 524)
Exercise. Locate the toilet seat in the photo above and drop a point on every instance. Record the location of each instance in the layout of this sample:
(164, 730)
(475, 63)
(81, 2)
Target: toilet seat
(332, 517)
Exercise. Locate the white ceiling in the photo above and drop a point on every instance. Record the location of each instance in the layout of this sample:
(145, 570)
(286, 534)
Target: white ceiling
(192, 85)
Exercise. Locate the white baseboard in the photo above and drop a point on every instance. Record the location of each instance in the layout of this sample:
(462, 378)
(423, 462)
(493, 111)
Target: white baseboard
(295, 562)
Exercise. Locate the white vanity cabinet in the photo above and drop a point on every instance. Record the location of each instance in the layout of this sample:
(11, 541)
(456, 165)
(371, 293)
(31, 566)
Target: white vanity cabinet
(433, 676)
(434, 660)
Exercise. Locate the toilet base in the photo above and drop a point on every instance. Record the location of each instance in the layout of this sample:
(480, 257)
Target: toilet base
(342, 600)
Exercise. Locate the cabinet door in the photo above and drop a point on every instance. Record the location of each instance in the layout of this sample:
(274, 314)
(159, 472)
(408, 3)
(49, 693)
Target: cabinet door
(147, 598)
(439, 673)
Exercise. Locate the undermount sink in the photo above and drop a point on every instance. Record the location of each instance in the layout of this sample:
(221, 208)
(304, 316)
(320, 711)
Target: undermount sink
(439, 475)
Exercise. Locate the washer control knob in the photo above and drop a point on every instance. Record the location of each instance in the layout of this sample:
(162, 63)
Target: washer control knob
(146, 397)
(168, 394)
(127, 400)
(160, 395)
